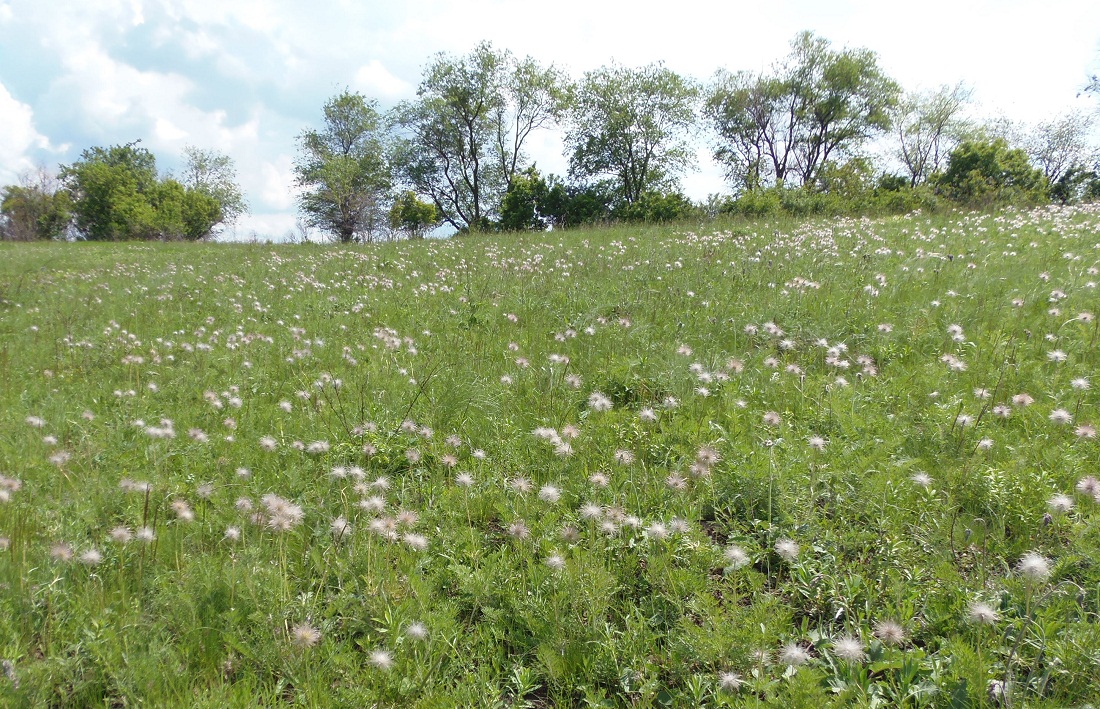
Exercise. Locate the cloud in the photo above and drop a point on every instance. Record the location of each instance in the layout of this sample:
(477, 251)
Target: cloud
(19, 138)
(375, 81)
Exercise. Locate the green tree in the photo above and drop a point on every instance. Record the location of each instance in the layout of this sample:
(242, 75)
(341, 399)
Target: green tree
(521, 209)
(343, 171)
(465, 134)
(413, 216)
(816, 105)
(632, 125)
(117, 195)
(211, 173)
(986, 173)
(34, 209)
(927, 128)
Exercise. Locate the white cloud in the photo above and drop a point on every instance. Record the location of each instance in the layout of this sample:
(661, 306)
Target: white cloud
(18, 138)
(277, 182)
(375, 81)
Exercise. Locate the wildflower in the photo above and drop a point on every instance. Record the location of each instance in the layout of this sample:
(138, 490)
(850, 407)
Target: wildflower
(1022, 400)
(1088, 486)
(817, 443)
(849, 648)
(570, 534)
(590, 511)
(1056, 356)
(145, 534)
(624, 457)
(417, 541)
(519, 530)
(981, 613)
(464, 479)
(416, 631)
(656, 530)
(922, 479)
(1002, 411)
(964, 420)
(268, 443)
(793, 655)
(599, 402)
(182, 511)
(647, 415)
(729, 681)
(232, 534)
(412, 455)
(1060, 503)
(1060, 416)
(340, 528)
(305, 635)
(1085, 431)
(549, 493)
(555, 562)
(121, 534)
(1034, 567)
(598, 479)
(61, 552)
(707, 456)
(35, 421)
(787, 549)
(91, 557)
(890, 632)
(676, 482)
(1080, 383)
(735, 557)
(985, 444)
(521, 485)
(771, 418)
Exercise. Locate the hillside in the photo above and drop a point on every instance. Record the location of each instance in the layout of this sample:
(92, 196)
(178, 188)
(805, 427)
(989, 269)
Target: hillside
(784, 463)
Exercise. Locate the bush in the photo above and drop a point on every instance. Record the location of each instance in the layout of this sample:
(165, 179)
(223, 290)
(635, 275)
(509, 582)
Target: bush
(989, 173)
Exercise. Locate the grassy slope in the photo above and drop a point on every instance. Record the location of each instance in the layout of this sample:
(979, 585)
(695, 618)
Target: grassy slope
(634, 617)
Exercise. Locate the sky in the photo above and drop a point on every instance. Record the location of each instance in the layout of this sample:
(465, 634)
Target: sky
(245, 77)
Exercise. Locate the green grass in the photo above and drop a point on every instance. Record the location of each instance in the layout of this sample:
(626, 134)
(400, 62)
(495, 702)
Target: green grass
(617, 591)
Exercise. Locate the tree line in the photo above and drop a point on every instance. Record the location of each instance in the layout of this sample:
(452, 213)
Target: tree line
(795, 138)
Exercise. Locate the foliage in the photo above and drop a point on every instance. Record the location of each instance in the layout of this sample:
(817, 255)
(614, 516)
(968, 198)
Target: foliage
(117, 195)
(928, 127)
(213, 174)
(466, 132)
(984, 173)
(414, 216)
(632, 125)
(35, 209)
(816, 106)
(343, 172)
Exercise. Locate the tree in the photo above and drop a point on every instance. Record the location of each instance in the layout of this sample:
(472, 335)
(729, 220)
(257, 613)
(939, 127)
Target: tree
(989, 172)
(117, 195)
(211, 173)
(632, 125)
(464, 135)
(817, 105)
(36, 208)
(343, 172)
(413, 215)
(1060, 145)
(927, 128)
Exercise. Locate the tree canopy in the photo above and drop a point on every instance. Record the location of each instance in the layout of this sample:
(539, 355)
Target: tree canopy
(632, 125)
(343, 172)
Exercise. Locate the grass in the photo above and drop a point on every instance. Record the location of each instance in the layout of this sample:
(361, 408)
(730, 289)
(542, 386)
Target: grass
(766, 464)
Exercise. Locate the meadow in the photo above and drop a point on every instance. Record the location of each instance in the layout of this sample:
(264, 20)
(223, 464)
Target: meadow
(819, 463)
